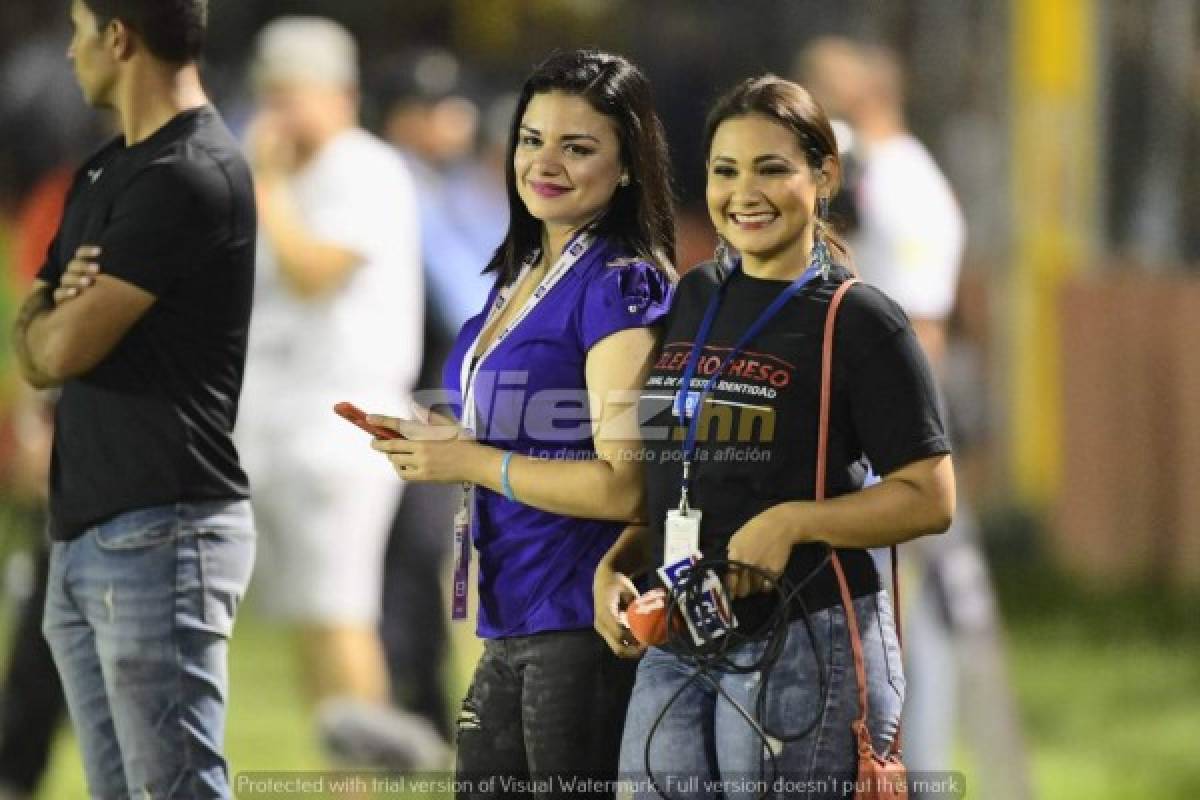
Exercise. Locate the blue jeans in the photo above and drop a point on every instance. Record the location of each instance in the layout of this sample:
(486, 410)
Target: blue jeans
(139, 612)
(703, 746)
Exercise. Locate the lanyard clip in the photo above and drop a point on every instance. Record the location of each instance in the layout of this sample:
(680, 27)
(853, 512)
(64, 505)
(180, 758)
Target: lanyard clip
(683, 494)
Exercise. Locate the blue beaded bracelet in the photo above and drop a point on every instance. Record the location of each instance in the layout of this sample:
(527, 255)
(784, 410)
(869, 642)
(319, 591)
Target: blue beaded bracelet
(504, 482)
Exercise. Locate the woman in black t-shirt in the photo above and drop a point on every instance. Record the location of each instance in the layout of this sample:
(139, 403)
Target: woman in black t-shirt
(746, 339)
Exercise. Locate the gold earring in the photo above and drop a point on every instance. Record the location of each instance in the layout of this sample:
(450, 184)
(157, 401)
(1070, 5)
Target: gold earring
(624, 179)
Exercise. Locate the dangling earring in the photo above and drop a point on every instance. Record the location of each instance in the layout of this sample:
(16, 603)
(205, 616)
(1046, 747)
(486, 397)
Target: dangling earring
(820, 255)
(721, 254)
(623, 181)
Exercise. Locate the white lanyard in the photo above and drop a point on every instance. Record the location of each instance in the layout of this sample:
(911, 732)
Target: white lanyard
(469, 371)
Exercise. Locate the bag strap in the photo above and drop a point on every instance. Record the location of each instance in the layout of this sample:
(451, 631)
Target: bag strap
(860, 672)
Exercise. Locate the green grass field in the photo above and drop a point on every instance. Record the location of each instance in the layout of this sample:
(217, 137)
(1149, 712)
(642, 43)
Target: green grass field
(1109, 685)
(268, 728)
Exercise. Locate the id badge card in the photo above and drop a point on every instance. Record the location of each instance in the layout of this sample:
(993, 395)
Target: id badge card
(462, 560)
(681, 534)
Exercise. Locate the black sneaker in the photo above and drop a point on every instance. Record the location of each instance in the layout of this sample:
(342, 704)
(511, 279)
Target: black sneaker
(362, 734)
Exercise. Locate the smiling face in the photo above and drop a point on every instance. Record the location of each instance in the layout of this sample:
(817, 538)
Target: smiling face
(92, 57)
(762, 192)
(567, 160)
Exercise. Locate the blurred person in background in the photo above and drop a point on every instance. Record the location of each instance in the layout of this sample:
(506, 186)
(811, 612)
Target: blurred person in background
(31, 698)
(41, 121)
(139, 313)
(338, 317)
(32, 704)
(582, 277)
(426, 115)
(475, 189)
(46, 131)
(907, 235)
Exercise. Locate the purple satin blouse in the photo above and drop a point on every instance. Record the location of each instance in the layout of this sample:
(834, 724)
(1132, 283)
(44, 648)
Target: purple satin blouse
(535, 567)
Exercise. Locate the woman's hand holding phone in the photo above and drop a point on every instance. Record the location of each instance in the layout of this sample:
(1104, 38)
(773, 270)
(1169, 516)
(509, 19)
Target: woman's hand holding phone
(423, 452)
(356, 416)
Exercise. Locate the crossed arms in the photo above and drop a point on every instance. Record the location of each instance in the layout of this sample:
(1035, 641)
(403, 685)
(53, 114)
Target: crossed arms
(65, 331)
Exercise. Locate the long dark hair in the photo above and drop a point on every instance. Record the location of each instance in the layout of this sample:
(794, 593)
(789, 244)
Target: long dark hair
(641, 216)
(790, 105)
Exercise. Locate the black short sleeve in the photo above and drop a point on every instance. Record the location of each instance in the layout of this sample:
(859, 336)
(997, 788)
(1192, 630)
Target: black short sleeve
(152, 423)
(55, 264)
(158, 221)
(53, 267)
(894, 404)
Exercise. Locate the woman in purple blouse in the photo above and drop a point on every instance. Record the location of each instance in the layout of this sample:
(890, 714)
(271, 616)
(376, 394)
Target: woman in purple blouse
(546, 379)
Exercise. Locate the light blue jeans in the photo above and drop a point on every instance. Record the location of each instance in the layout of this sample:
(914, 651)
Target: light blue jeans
(139, 612)
(704, 748)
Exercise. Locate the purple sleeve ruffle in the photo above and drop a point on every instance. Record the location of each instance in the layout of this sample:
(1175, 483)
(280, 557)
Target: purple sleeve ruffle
(632, 295)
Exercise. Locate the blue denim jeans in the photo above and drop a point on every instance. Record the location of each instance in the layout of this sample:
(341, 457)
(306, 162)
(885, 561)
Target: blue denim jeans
(704, 747)
(139, 612)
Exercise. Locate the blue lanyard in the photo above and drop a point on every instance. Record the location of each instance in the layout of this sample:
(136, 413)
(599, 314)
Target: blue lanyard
(688, 404)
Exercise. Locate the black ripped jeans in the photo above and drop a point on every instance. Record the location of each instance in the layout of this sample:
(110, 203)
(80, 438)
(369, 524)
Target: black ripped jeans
(543, 718)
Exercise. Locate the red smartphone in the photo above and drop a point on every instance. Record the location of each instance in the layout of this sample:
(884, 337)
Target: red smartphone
(352, 413)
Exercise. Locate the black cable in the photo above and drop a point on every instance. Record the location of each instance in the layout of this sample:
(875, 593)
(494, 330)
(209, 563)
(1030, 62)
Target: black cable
(713, 655)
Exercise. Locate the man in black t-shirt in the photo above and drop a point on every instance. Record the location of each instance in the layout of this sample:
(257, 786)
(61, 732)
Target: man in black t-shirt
(140, 315)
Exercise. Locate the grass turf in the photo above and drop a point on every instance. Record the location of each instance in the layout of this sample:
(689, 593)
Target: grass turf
(1109, 685)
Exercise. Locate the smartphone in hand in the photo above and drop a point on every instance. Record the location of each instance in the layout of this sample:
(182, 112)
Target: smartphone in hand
(351, 413)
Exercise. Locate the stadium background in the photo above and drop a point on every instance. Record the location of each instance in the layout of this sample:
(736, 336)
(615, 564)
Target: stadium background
(1070, 131)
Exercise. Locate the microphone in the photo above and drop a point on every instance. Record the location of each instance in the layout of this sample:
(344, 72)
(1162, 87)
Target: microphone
(702, 609)
(646, 618)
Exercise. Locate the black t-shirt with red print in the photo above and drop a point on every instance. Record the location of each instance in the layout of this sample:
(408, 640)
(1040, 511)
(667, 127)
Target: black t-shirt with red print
(757, 440)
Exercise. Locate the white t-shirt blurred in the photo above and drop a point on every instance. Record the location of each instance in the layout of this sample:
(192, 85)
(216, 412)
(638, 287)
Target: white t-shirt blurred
(911, 232)
(361, 343)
